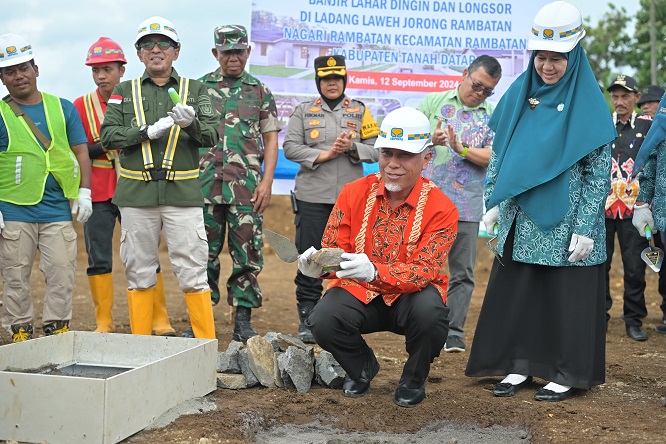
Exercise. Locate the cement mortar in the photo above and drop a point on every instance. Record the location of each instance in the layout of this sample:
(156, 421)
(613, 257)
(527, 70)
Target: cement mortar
(441, 432)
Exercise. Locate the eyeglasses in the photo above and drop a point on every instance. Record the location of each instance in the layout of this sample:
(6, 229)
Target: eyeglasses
(148, 46)
(477, 87)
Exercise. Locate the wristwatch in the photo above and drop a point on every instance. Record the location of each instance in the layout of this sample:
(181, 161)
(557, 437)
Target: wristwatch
(143, 132)
(353, 149)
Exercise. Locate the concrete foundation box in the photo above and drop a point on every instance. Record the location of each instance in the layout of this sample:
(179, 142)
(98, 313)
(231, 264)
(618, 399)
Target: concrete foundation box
(150, 375)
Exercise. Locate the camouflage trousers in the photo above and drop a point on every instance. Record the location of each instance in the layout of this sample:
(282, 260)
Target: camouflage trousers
(244, 245)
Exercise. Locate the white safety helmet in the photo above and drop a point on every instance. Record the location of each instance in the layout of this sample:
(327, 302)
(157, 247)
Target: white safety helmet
(156, 25)
(406, 129)
(14, 50)
(557, 27)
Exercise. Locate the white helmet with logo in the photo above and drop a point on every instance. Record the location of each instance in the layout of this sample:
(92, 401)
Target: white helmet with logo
(406, 129)
(14, 50)
(557, 27)
(156, 25)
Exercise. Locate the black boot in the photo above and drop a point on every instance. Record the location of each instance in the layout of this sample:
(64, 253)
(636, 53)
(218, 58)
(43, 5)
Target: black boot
(242, 328)
(304, 333)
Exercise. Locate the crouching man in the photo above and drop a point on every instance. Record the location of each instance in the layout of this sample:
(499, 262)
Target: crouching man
(396, 229)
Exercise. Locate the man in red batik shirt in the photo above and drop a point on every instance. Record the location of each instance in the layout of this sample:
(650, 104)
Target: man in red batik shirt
(396, 229)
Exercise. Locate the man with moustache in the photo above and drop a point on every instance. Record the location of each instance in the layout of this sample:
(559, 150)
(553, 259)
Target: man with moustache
(159, 177)
(396, 229)
(631, 129)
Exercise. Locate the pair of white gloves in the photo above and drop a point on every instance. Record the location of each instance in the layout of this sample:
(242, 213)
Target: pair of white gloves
(181, 115)
(353, 266)
(82, 207)
(580, 246)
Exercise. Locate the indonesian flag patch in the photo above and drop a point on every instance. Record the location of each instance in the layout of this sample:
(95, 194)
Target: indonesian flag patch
(115, 100)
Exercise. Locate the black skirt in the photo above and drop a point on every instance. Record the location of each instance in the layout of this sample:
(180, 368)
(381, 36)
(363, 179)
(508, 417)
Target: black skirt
(542, 321)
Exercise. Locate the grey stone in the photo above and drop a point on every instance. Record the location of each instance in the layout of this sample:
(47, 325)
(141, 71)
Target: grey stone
(328, 258)
(244, 362)
(277, 373)
(328, 372)
(272, 337)
(230, 381)
(297, 368)
(227, 362)
(262, 360)
(286, 341)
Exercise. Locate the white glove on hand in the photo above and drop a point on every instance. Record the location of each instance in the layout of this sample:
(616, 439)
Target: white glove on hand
(581, 247)
(356, 266)
(2, 223)
(490, 219)
(83, 205)
(157, 129)
(642, 217)
(308, 268)
(183, 115)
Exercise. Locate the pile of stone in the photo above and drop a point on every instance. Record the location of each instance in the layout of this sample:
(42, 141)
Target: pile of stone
(276, 360)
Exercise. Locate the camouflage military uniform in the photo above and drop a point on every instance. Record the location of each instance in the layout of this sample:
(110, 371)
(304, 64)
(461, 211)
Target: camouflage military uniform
(229, 174)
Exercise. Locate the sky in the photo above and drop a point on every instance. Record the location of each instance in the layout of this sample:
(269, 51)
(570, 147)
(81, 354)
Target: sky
(61, 31)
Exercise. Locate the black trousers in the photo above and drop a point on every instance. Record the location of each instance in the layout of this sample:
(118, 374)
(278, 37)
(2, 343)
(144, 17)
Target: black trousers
(659, 243)
(339, 320)
(310, 222)
(631, 246)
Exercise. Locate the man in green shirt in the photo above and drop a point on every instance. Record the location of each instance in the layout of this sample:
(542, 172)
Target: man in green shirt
(158, 185)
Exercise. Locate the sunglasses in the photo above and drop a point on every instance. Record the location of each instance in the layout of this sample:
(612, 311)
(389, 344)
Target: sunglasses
(150, 45)
(477, 87)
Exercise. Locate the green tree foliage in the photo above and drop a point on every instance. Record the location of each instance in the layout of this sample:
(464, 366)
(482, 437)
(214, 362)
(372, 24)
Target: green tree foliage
(608, 45)
(639, 58)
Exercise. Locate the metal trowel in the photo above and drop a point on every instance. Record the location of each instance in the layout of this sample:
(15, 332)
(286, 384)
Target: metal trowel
(652, 255)
(492, 247)
(282, 245)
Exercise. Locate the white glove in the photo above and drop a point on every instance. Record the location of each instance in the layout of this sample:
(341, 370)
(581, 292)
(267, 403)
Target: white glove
(356, 266)
(642, 217)
(83, 205)
(490, 219)
(307, 267)
(183, 115)
(157, 129)
(581, 247)
(2, 222)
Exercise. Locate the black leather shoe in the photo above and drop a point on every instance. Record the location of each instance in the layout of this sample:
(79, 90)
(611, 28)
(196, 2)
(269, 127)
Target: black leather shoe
(636, 333)
(661, 328)
(361, 386)
(548, 395)
(406, 397)
(506, 389)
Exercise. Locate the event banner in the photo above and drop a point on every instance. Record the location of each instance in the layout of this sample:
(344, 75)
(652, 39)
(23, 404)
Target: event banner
(396, 50)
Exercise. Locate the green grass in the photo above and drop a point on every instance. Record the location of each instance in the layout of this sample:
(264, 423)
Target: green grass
(275, 71)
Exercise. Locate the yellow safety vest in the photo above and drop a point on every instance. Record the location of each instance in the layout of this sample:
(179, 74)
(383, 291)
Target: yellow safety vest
(149, 172)
(25, 166)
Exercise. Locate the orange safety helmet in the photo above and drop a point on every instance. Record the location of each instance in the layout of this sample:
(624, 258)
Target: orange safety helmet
(105, 50)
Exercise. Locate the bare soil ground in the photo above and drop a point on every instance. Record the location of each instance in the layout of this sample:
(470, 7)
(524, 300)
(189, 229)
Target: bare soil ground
(627, 408)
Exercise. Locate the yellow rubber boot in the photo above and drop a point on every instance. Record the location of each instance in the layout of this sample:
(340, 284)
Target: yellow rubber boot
(101, 289)
(161, 324)
(201, 314)
(140, 304)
